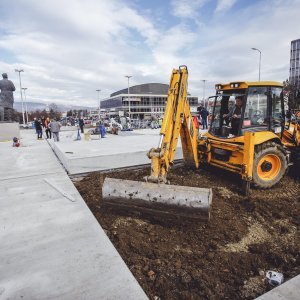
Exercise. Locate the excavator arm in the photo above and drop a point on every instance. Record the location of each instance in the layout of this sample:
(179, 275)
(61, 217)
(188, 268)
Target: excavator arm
(161, 201)
(177, 121)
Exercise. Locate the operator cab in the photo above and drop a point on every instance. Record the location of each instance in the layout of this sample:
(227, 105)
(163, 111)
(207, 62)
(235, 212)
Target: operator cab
(246, 106)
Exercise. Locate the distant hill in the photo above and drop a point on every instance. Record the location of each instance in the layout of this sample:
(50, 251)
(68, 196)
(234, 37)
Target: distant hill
(33, 106)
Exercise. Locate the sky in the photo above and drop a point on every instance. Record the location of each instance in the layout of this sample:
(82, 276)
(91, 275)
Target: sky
(70, 48)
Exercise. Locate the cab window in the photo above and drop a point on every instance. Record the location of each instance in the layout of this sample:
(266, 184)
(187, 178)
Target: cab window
(277, 113)
(256, 107)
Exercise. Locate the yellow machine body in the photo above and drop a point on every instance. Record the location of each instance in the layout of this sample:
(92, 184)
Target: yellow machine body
(241, 151)
(259, 156)
(242, 155)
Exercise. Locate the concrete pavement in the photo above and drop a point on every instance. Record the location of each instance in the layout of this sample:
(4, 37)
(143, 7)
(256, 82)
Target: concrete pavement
(287, 291)
(113, 151)
(52, 247)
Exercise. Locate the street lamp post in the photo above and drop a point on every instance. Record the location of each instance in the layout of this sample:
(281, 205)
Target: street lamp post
(259, 62)
(99, 102)
(19, 71)
(26, 109)
(129, 112)
(204, 80)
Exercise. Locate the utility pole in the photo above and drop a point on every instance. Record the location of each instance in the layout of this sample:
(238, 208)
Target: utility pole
(259, 65)
(204, 80)
(129, 112)
(26, 109)
(19, 71)
(99, 102)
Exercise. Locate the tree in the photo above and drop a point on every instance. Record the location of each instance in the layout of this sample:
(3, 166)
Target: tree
(54, 112)
(292, 92)
(17, 116)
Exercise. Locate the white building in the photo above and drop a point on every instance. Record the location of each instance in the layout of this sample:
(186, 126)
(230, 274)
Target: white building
(145, 100)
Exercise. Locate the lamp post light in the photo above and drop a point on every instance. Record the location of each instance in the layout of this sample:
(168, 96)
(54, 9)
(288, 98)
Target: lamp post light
(255, 49)
(26, 109)
(204, 80)
(129, 112)
(19, 71)
(99, 102)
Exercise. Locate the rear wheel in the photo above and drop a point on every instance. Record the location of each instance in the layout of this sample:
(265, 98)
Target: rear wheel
(270, 164)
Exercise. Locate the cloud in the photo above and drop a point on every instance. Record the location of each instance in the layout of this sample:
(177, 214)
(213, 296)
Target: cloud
(68, 49)
(77, 50)
(224, 5)
(186, 8)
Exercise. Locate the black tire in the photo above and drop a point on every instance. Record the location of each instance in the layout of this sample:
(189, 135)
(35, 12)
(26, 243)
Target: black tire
(270, 164)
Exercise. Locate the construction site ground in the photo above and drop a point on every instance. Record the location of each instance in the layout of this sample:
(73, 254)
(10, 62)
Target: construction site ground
(224, 259)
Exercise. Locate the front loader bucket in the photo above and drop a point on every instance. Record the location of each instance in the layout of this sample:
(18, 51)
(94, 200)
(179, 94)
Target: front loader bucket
(157, 201)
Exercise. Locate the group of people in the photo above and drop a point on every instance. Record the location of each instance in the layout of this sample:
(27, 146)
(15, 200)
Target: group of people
(52, 128)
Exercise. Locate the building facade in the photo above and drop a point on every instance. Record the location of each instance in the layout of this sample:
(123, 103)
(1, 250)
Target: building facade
(145, 100)
(294, 63)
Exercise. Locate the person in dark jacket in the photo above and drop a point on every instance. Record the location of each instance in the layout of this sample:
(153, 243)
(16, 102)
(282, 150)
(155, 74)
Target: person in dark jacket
(235, 115)
(38, 128)
(204, 114)
(43, 122)
(81, 124)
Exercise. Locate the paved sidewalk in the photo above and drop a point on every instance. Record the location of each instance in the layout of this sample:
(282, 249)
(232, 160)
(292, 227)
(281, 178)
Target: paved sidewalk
(52, 247)
(289, 290)
(114, 151)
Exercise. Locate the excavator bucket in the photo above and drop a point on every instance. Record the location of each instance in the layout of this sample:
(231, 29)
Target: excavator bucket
(157, 201)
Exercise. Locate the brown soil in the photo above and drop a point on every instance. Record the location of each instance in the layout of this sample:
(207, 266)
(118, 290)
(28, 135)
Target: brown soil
(223, 259)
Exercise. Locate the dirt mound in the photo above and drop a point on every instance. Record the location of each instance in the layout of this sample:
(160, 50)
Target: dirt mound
(223, 259)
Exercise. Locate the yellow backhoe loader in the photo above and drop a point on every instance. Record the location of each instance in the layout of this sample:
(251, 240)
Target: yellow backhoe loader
(248, 134)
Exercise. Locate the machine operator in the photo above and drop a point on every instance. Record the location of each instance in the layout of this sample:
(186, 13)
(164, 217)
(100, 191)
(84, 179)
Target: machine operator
(235, 115)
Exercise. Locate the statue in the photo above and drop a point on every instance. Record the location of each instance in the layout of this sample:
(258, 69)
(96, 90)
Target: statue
(6, 98)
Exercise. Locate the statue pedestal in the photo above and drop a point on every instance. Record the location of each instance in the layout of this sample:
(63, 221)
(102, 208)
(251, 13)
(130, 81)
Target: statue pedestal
(9, 130)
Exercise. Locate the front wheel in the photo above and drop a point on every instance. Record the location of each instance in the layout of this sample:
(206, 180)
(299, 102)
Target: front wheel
(270, 164)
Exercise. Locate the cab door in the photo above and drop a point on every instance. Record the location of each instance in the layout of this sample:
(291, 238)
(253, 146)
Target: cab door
(276, 109)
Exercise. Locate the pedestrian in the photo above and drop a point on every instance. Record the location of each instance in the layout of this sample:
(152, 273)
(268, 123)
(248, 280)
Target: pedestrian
(38, 128)
(43, 122)
(102, 130)
(204, 114)
(81, 124)
(55, 129)
(48, 131)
